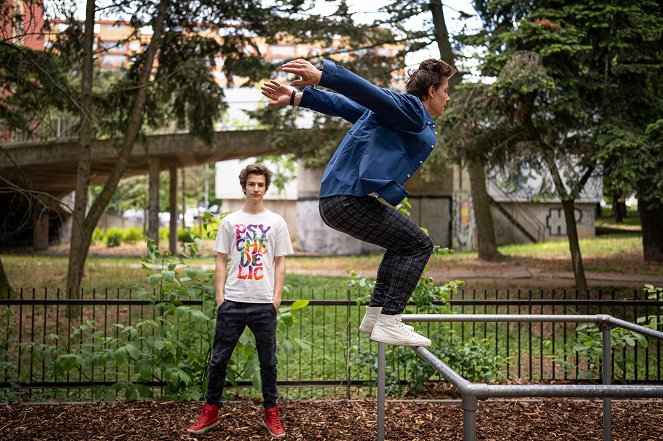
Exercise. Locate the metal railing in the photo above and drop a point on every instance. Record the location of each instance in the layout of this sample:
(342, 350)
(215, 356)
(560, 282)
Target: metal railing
(473, 392)
(529, 351)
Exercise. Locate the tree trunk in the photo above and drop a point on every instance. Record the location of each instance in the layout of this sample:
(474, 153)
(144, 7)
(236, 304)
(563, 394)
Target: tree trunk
(482, 214)
(78, 247)
(651, 220)
(574, 245)
(484, 218)
(568, 204)
(5, 287)
(82, 234)
(617, 208)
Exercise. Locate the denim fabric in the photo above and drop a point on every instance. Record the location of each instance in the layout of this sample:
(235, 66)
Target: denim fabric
(408, 248)
(232, 317)
(391, 136)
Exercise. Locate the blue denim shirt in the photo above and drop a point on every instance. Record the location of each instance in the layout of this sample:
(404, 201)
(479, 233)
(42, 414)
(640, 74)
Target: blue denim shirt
(391, 136)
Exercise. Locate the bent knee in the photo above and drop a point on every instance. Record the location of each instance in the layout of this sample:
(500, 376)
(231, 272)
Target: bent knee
(426, 245)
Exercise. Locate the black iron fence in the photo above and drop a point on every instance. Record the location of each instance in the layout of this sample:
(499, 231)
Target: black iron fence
(332, 358)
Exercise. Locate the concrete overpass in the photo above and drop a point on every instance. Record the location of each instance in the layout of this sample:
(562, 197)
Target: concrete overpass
(51, 167)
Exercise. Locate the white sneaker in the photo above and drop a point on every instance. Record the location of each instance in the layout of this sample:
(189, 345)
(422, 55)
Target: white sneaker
(370, 316)
(390, 329)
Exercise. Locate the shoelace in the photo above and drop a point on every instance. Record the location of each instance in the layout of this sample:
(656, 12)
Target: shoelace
(273, 420)
(204, 416)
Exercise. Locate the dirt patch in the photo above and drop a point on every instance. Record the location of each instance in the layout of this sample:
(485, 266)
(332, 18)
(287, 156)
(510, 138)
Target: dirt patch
(333, 420)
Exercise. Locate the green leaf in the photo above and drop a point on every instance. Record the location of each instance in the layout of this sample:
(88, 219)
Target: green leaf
(154, 279)
(299, 304)
(288, 348)
(133, 351)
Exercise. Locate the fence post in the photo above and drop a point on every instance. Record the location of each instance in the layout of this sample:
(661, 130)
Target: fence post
(381, 389)
(606, 368)
(470, 403)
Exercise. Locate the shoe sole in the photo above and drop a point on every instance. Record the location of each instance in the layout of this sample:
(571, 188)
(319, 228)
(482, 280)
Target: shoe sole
(204, 429)
(396, 342)
(272, 433)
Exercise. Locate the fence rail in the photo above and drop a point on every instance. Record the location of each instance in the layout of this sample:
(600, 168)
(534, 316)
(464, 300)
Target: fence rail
(532, 351)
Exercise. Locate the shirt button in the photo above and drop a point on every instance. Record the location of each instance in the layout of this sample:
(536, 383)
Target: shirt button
(421, 162)
(408, 175)
(432, 146)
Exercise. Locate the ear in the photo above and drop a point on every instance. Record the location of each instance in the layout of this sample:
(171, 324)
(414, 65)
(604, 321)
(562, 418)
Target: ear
(431, 91)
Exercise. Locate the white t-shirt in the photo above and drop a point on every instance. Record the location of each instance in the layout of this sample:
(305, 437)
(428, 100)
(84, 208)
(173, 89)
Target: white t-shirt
(252, 241)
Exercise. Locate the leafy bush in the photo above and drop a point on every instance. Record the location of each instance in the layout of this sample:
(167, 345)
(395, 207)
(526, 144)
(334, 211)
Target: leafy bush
(588, 342)
(132, 235)
(173, 347)
(186, 236)
(475, 359)
(98, 235)
(113, 237)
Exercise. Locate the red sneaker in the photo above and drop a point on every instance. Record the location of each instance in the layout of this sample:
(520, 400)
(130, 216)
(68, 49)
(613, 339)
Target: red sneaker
(207, 420)
(272, 421)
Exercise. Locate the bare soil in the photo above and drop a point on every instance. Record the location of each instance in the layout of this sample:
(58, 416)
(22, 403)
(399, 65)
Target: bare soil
(553, 419)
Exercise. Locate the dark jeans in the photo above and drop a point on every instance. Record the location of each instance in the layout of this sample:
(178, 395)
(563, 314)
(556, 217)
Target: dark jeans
(231, 319)
(408, 248)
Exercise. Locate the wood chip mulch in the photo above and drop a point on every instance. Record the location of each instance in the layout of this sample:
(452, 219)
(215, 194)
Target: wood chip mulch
(553, 419)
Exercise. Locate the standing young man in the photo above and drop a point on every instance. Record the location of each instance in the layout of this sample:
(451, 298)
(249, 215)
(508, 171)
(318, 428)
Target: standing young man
(256, 240)
(391, 136)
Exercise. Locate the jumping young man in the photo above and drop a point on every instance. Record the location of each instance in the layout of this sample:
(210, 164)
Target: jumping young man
(256, 241)
(391, 136)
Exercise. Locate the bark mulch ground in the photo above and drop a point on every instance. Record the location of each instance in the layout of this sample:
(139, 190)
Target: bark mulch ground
(553, 419)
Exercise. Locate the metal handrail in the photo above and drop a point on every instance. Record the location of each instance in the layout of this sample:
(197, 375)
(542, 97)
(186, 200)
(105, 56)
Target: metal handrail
(471, 393)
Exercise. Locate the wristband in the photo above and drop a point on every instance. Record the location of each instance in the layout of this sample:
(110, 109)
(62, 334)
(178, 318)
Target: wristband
(292, 97)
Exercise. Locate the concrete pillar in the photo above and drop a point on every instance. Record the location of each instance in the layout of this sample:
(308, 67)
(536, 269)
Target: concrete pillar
(153, 201)
(40, 234)
(172, 233)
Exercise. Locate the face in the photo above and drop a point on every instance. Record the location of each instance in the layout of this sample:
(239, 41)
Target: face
(438, 99)
(255, 187)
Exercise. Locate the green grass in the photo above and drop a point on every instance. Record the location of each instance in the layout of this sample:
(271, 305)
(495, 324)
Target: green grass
(601, 246)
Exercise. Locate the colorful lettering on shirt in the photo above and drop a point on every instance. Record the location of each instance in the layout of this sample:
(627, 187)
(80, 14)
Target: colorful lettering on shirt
(251, 242)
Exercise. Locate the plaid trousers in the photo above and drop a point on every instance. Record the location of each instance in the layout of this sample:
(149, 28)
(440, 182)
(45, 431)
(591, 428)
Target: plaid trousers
(408, 248)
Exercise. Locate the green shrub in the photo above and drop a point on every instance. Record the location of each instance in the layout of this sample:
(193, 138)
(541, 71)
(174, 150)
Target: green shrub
(132, 235)
(113, 237)
(98, 235)
(186, 236)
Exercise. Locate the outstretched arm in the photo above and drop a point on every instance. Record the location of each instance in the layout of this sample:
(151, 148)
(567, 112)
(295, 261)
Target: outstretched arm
(400, 110)
(325, 102)
(280, 94)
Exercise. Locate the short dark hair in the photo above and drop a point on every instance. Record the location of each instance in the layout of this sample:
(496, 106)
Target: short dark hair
(255, 169)
(430, 72)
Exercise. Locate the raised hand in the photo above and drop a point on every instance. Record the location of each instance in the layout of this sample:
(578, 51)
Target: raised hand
(278, 93)
(309, 74)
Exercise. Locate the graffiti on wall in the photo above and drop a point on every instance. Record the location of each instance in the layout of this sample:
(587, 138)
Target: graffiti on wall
(463, 222)
(556, 223)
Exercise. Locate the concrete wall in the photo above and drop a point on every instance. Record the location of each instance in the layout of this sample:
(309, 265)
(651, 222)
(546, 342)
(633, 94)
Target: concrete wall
(544, 221)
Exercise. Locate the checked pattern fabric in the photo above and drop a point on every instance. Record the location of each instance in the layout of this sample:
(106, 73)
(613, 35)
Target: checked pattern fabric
(408, 248)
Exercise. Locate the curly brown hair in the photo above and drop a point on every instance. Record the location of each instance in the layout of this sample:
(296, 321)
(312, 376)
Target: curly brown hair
(430, 72)
(255, 169)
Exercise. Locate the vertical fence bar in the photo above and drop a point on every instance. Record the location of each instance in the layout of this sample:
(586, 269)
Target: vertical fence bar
(43, 340)
(529, 335)
(32, 338)
(381, 390)
(508, 335)
(658, 342)
(606, 368)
